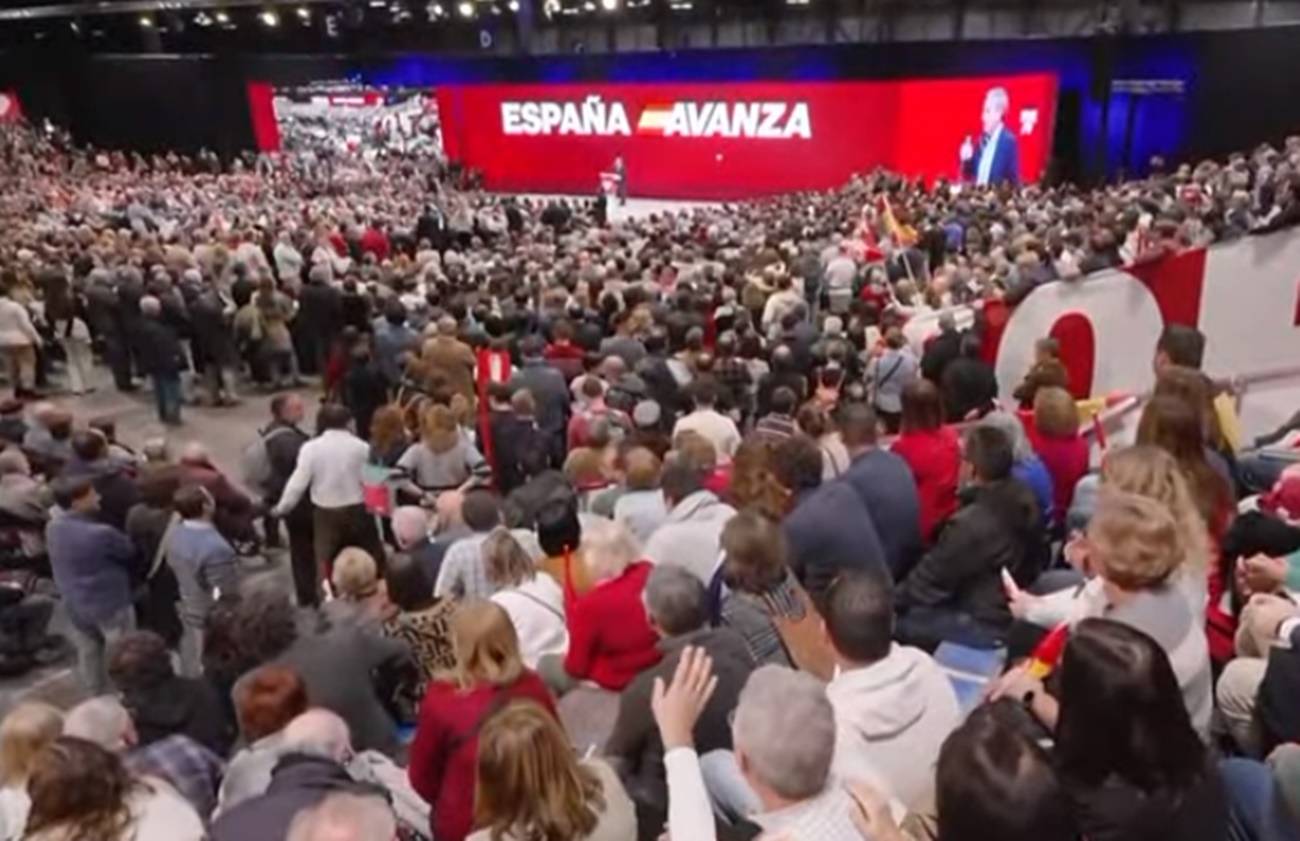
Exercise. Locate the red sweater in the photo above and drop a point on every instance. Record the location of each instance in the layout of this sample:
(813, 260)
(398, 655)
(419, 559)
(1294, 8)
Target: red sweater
(610, 641)
(1066, 459)
(443, 773)
(934, 456)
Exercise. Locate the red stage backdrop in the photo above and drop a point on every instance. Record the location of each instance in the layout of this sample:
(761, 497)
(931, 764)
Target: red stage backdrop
(730, 141)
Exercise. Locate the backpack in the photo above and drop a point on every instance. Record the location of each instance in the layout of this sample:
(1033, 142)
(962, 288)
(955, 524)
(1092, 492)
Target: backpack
(255, 460)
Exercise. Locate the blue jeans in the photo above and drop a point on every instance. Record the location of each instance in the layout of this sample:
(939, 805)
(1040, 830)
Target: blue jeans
(1259, 471)
(167, 397)
(1257, 812)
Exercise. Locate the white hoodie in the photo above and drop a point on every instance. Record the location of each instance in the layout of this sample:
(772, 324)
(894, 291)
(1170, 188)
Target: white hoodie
(890, 719)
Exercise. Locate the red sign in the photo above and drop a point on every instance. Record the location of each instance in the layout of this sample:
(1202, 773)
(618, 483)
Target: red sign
(728, 141)
(10, 108)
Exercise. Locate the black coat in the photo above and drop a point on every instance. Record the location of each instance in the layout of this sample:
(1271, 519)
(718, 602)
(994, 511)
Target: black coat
(635, 743)
(214, 339)
(939, 354)
(181, 705)
(998, 527)
(320, 310)
(298, 782)
(164, 353)
(968, 384)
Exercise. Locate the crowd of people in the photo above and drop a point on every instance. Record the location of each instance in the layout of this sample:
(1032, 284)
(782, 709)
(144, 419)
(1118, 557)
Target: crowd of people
(606, 529)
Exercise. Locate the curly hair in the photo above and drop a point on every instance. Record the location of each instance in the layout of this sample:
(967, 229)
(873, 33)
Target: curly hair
(752, 483)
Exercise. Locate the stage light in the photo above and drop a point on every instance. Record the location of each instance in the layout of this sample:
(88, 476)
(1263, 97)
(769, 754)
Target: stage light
(270, 18)
(223, 18)
(202, 19)
(146, 21)
(304, 13)
(513, 5)
(609, 5)
(466, 9)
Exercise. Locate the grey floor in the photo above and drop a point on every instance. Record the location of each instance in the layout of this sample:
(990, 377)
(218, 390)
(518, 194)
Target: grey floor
(225, 432)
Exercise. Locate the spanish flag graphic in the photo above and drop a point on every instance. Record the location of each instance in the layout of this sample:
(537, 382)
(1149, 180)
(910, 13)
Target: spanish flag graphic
(654, 119)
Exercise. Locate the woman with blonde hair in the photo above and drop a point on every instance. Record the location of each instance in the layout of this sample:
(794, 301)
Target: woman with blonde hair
(360, 597)
(1148, 472)
(610, 639)
(489, 674)
(444, 458)
(1060, 443)
(531, 787)
(534, 602)
(26, 731)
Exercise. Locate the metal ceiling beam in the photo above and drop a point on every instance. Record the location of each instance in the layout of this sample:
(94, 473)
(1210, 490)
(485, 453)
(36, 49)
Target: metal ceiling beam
(135, 7)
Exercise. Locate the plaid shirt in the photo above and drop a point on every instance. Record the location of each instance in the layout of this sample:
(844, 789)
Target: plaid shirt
(463, 574)
(193, 770)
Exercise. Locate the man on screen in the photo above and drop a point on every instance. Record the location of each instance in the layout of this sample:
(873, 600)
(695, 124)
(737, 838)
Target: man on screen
(995, 159)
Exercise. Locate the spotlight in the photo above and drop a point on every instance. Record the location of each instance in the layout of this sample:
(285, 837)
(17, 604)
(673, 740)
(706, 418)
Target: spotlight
(609, 5)
(223, 18)
(304, 13)
(466, 9)
(202, 19)
(270, 18)
(514, 5)
(146, 21)
(589, 6)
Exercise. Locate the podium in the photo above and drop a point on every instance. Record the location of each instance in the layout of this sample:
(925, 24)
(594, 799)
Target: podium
(610, 183)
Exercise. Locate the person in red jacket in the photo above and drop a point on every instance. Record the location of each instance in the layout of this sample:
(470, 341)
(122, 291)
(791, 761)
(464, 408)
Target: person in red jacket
(489, 675)
(1060, 444)
(932, 451)
(610, 639)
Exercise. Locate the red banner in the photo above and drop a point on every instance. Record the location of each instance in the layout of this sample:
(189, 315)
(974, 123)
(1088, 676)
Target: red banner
(729, 141)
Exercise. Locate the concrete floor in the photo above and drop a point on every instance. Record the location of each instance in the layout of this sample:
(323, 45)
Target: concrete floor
(225, 432)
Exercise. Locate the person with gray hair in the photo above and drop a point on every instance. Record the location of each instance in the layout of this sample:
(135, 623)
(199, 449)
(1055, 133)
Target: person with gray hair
(317, 763)
(345, 817)
(784, 733)
(165, 360)
(677, 605)
(1028, 467)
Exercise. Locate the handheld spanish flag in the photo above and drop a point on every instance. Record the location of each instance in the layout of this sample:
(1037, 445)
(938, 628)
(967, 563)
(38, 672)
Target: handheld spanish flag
(1047, 654)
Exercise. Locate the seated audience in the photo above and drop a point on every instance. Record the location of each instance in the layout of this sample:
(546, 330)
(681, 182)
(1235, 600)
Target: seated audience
(531, 786)
(689, 536)
(534, 602)
(955, 593)
(265, 703)
(461, 575)
(489, 675)
(25, 732)
(1137, 547)
(1028, 467)
(894, 707)
(80, 790)
(828, 528)
(678, 607)
(610, 641)
(360, 595)
(187, 767)
(886, 486)
(341, 665)
(641, 508)
(1060, 443)
(1151, 774)
(419, 619)
(932, 451)
(1047, 372)
(162, 703)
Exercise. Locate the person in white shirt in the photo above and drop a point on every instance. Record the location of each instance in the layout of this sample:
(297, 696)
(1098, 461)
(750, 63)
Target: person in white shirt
(18, 343)
(534, 603)
(331, 466)
(894, 706)
(708, 422)
(288, 262)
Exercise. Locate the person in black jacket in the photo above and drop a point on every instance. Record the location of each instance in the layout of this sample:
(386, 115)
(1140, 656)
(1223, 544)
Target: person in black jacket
(163, 703)
(164, 362)
(969, 385)
(320, 319)
(955, 592)
(942, 350)
(213, 344)
(283, 438)
(678, 608)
